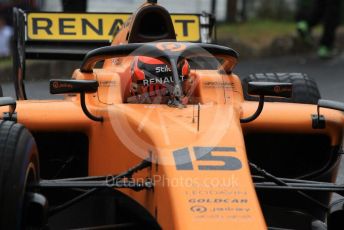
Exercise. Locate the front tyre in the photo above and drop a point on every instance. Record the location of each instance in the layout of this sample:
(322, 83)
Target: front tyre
(19, 168)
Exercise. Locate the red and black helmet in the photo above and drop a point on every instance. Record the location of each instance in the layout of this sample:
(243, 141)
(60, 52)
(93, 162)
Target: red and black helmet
(153, 76)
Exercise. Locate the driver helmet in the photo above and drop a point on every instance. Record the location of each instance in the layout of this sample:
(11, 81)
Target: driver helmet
(151, 78)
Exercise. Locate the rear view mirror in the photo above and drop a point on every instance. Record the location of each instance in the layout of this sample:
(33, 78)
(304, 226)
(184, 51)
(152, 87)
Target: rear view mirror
(270, 89)
(12, 103)
(336, 105)
(76, 86)
(61, 86)
(318, 119)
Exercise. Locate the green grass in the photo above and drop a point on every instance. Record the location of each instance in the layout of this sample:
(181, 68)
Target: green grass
(256, 33)
(5, 62)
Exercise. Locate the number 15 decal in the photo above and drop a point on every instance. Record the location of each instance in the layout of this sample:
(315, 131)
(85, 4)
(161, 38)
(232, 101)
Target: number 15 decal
(204, 154)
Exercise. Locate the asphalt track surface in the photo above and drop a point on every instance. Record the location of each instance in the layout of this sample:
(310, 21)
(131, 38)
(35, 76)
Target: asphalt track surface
(329, 75)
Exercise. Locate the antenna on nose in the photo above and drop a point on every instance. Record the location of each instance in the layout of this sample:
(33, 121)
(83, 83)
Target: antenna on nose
(152, 1)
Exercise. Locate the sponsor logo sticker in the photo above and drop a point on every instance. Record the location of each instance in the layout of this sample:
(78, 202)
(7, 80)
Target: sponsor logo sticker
(97, 27)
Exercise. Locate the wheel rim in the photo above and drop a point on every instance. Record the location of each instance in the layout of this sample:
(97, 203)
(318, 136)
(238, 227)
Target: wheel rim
(34, 204)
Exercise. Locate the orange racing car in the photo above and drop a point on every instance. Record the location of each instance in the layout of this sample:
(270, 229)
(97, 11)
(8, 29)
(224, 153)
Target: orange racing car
(158, 133)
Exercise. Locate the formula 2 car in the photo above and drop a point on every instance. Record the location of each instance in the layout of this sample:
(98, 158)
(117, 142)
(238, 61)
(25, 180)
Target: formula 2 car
(158, 133)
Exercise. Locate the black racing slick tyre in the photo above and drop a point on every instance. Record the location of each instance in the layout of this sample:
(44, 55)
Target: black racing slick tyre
(305, 89)
(19, 167)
